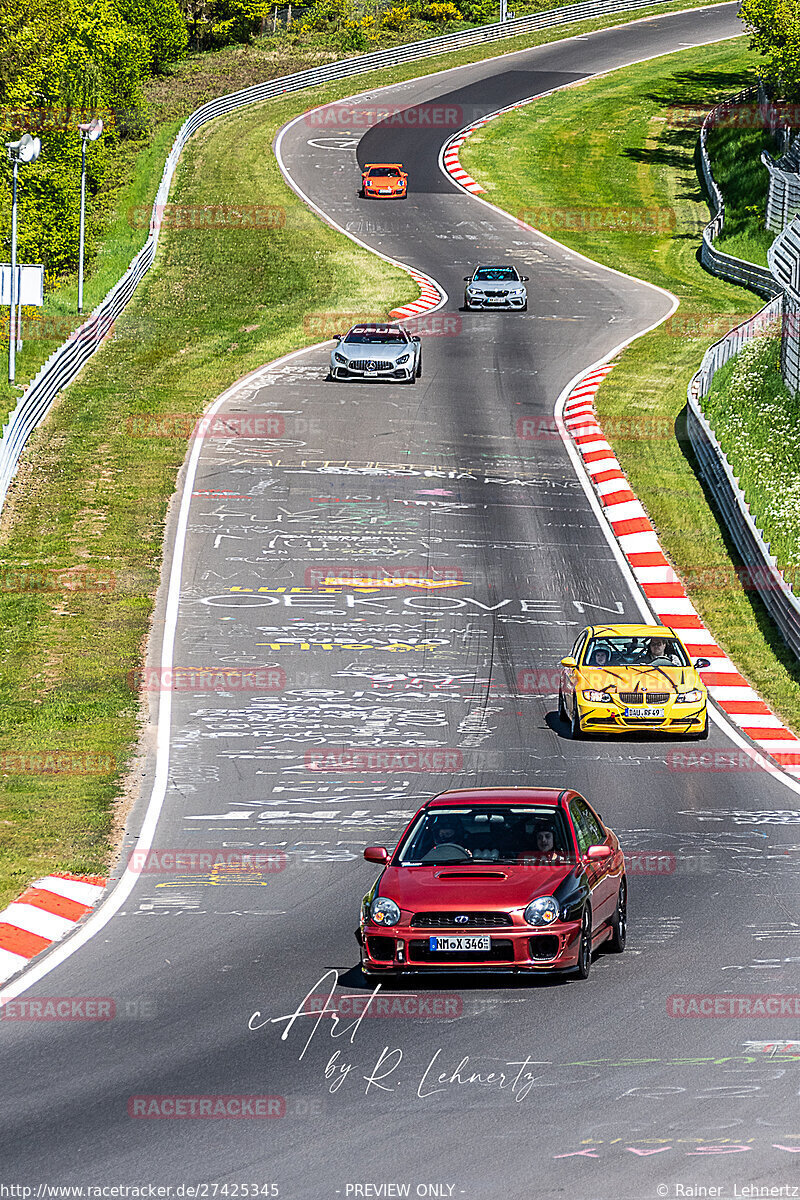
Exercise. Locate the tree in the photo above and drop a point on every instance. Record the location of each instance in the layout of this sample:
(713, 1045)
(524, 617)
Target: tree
(62, 62)
(162, 23)
(222, 22)
(774, 26)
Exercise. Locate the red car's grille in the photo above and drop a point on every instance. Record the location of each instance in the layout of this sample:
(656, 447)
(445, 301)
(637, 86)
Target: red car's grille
(475, 920)
(502, 951)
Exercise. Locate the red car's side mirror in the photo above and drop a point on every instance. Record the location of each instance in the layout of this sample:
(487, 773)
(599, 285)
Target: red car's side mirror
(598, 853)
(376, 854)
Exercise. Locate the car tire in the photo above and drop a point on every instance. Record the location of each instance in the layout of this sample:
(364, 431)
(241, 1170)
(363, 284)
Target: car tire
(419, 368)
(619, 922)
(584, 964)
(575, 723)
(562, 709)
(524, 307)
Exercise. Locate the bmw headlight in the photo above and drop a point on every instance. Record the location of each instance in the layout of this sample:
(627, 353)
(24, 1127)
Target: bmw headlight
(403, 358)
(597, 697)
(340, 358)
(692, 697)
(517, 291)
(476, 291)
(543, 911)
(384, 911)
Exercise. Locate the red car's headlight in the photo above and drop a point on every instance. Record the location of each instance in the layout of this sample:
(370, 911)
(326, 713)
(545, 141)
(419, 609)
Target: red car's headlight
(384, 911)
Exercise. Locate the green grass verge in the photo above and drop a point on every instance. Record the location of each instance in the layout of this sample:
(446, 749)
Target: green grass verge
(615, 136)
(91, 500)
(744, 182)
(746, 405)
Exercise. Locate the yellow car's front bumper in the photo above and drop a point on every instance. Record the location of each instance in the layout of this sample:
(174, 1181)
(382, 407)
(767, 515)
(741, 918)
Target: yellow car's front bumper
(611, 718)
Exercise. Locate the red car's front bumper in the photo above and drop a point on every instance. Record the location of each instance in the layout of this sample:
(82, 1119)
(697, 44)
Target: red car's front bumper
(513, 948)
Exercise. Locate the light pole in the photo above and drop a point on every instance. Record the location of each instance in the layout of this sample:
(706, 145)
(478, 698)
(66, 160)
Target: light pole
(26, 150)
(89, 133)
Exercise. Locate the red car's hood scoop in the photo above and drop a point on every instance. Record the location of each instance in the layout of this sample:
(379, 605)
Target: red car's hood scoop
(471, 875)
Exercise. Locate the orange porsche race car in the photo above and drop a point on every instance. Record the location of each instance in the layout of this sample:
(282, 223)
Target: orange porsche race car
(387, 180)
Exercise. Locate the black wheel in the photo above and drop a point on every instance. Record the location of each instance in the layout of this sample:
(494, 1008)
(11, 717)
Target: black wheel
(575, 724)
(525, 307)
(562, 709)
(584, 964)
(412, 378)
(419, 367)
(619, 922)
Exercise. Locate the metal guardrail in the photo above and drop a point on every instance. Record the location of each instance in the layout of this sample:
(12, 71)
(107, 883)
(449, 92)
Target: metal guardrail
(784, 262)
(64, 364)
(763, 573)
(727, 266)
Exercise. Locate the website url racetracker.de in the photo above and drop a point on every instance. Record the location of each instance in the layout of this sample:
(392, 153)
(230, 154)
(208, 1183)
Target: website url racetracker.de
(141, 1191)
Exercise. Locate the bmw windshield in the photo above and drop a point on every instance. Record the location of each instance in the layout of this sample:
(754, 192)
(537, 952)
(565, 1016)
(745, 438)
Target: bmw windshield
(495, 275)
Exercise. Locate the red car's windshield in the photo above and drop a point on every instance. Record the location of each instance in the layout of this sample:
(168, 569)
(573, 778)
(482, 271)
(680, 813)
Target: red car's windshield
(483, 834)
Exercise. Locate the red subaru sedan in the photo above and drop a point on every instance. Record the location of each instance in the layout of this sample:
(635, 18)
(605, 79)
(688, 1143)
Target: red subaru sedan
(496, 879)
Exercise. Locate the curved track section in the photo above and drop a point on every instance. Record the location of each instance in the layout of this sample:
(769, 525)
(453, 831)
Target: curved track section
(478, 1089)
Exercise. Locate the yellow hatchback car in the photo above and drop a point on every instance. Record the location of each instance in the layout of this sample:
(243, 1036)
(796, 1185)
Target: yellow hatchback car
(621, 678)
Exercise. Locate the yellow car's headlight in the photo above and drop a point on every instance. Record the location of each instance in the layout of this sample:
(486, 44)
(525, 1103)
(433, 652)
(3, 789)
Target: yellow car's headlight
(597, 697)
(692, 697)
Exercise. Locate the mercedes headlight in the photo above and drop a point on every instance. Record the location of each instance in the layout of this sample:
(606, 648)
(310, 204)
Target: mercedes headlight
(384, 911)
(403, 358)
(692, 697)
(597, 697)
(543, 911)
(340, 358)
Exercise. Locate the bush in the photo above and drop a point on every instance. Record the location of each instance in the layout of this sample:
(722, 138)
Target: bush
(441, 13)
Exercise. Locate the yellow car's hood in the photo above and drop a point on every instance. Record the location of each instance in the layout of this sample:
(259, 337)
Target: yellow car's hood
(640, 679)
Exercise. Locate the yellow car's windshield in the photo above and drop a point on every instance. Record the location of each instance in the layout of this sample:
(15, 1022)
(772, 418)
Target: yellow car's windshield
(648, 651)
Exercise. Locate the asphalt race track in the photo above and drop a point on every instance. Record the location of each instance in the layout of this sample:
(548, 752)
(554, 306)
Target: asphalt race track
(593, 1089)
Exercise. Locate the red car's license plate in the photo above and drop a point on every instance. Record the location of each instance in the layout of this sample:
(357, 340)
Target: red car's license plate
(470, 942)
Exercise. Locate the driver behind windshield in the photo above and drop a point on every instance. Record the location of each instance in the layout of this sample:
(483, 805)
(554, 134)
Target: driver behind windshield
(658, 653)
(446, 830)
(536, 842)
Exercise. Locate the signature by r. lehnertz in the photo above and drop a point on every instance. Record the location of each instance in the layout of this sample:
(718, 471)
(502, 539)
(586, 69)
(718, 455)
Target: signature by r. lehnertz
(516, 1077)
